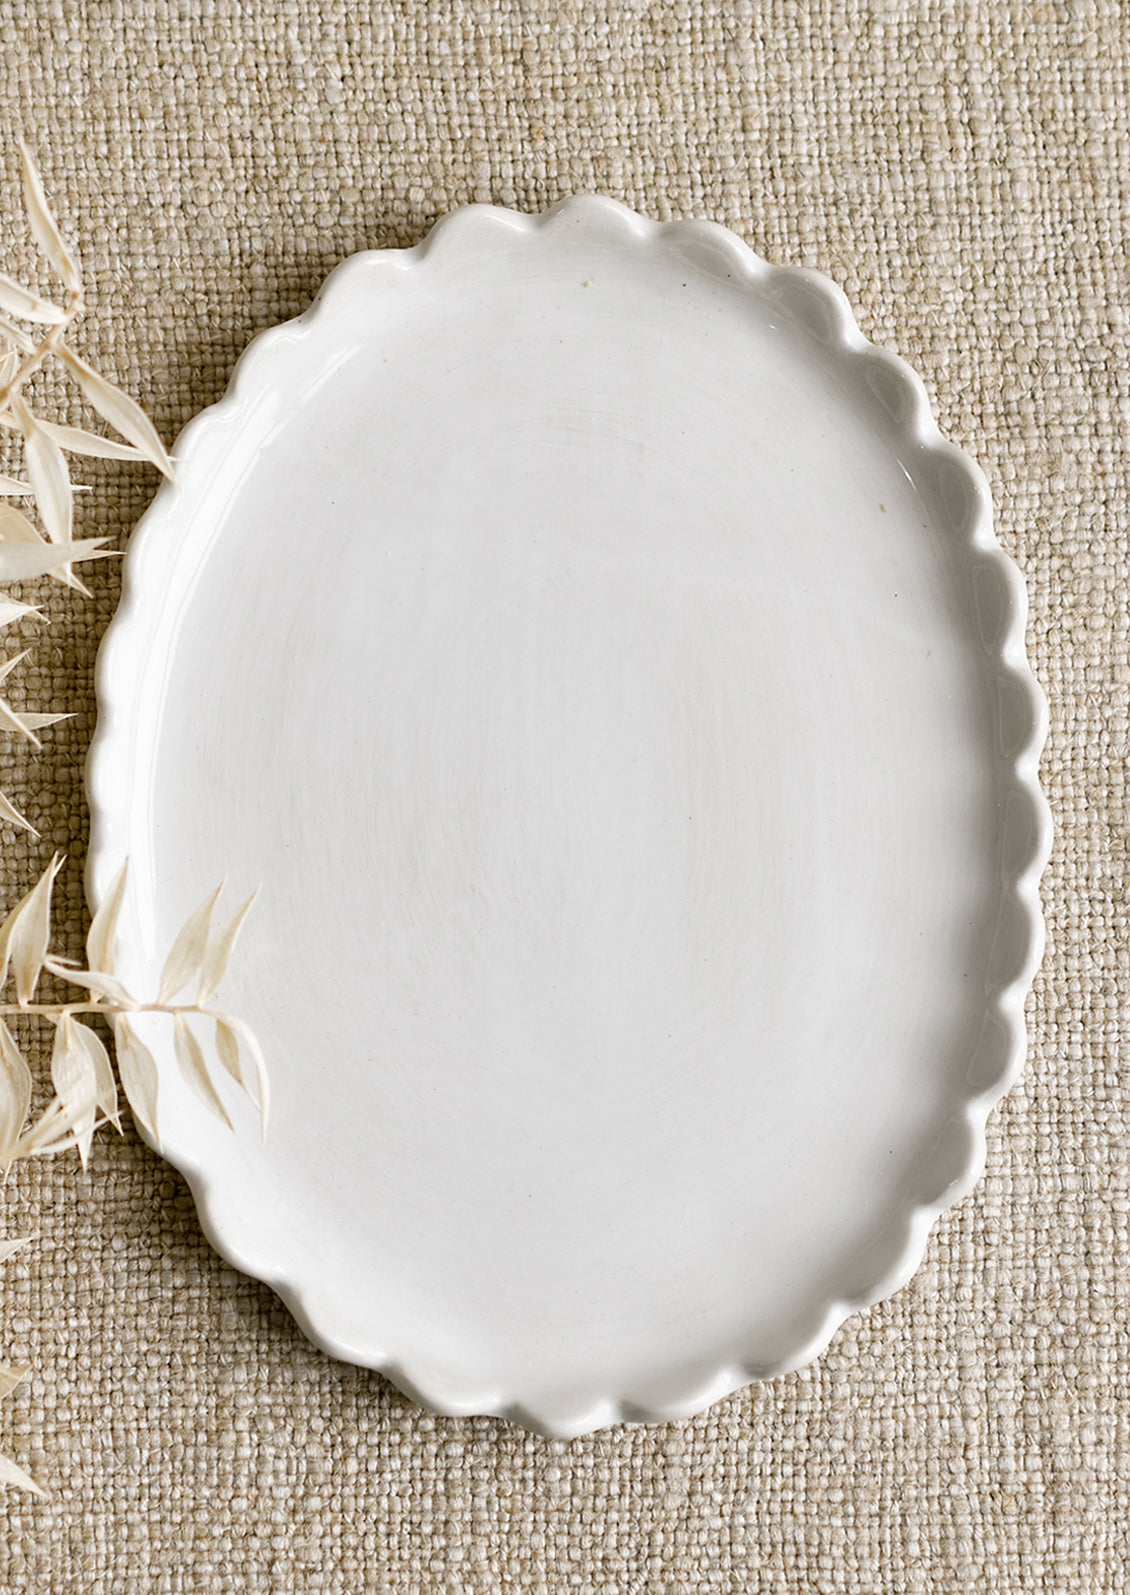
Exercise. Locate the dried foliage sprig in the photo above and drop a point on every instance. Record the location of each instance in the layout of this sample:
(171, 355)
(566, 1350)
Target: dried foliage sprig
(86, 1095)
(85, 1090)
(28, 550)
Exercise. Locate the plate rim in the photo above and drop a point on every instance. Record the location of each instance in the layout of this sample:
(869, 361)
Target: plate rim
(821, 309)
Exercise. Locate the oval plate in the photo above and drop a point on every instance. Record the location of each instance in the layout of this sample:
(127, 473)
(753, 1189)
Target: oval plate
(589, 642)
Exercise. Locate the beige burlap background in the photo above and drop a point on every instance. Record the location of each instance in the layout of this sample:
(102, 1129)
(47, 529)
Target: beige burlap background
(961, 170)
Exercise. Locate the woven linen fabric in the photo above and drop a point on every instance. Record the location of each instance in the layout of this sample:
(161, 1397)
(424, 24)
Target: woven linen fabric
(961, 170)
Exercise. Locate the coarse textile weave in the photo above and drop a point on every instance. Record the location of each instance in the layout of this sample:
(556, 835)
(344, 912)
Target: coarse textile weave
(961, 170)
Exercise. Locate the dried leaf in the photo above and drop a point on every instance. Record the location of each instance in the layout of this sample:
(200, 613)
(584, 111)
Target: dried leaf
(221, 949)
(10, 1377)
(103, 932)
(75, 1080)
(16, 335)
(20, 301)
(20, 561)
(9, 664)
(9, 812)
(17, 1245)
(16, 528)
(11, 487)
(26, 931)
(55, 1131)
(11, 721)
(244, 1039)
(33, 933)
(91, 980)
(190, 1057)
(15, 1093)
(9, 930)
(44, 227)
(37, 722)
(11, 1474)
(139, 1077)
(47, 471)
(106, 1090)
(11, 611)
(76, 441)
(54, 1121)
(122, 412)
(189, 950)
(227, 1049)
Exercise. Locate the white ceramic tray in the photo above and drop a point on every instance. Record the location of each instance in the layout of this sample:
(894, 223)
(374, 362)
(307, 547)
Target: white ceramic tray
(588, 641)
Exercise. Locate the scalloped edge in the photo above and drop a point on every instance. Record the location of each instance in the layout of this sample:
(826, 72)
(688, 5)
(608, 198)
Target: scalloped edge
(949, 1174)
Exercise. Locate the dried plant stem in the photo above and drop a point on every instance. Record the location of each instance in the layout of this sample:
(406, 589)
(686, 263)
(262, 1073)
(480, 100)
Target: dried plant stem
(56, 1010)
